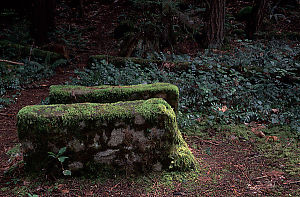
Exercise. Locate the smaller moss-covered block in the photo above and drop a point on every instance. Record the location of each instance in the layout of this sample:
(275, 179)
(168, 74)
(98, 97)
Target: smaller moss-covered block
(133, 136)
(20, 50)
(108, 94)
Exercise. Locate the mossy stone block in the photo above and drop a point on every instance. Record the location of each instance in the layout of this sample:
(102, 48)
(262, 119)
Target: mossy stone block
(66, 94)
(132, 136)
(21, 50)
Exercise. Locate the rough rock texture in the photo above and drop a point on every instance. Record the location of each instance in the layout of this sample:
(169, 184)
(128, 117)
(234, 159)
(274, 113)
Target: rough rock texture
(133, 136)
(108, 94)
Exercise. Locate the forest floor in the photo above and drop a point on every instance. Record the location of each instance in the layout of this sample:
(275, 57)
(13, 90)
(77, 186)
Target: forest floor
(230, 165)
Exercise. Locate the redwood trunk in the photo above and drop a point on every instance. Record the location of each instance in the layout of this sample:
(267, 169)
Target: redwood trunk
(214, 34)
(257, 16)
(42, 19)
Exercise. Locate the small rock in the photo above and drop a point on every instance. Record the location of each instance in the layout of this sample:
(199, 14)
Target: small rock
(75, 166)
(157, 167)
(139, 120)
(76, 145)
(105, 156)
(82, 124)
(117, 137)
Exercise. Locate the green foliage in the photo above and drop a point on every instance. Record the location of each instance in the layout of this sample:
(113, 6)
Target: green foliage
(252, 82)
(32, 195)
(245, 13)
(17, 32)
(69, 35)
(59, 157)
(14, 76)
(150, 26)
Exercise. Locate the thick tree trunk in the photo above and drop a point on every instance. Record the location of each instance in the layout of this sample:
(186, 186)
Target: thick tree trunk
(78, 4)
(214, 34)
(257, 16)
(42, 19)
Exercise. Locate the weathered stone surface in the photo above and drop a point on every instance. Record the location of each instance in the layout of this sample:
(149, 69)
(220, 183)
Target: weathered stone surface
(116, 138)
(108, 94)
(76, 165)
(89, 133)
(106, 157)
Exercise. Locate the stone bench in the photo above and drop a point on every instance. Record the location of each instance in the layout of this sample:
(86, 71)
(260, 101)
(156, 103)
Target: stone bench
(109, 94)
(137, 135)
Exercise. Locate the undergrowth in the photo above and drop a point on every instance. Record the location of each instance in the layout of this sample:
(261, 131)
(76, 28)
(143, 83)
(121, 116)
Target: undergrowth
(15, 76)
(27, 67)
(251, 82)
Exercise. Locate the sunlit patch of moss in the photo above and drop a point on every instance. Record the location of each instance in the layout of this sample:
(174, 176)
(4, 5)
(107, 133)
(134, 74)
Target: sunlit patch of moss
(182, 158)
(170, 180)
(284, 152)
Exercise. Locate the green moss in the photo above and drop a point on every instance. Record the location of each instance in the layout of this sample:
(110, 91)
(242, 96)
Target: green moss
(182, 158)
(108, 94)
(70, 114)
(21, 51)
(62, 123)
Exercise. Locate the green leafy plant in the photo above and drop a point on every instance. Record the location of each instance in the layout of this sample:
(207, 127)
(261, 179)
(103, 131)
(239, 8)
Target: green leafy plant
(61, 159)
(154, 25)
(32, 195)
(251, 82)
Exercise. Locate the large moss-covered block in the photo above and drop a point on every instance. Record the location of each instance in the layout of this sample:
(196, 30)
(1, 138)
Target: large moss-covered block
(66, 94)
(133, 136)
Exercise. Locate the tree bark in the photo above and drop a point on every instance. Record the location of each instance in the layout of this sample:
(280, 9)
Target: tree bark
(42, 19)
(257, 16)
(214, 30)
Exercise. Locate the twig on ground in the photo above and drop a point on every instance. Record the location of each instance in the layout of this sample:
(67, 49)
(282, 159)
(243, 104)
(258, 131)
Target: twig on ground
(3, 114)
(207, 141)
(11, 62)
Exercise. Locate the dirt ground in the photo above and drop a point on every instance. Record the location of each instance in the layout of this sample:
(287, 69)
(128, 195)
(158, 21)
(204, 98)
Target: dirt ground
(229, 165)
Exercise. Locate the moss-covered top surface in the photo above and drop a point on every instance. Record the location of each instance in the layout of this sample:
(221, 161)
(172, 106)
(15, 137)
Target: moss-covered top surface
(131, 88)
(124, 90)
(70, 114)
(108, 94)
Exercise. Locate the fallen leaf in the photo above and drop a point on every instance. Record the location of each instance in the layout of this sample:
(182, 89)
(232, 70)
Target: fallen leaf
(223, 109)
(274, 138)
(258, 133)
(89, 193)
(65, 191)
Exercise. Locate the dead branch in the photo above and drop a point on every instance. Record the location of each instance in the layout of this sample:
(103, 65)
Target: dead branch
(11, 62)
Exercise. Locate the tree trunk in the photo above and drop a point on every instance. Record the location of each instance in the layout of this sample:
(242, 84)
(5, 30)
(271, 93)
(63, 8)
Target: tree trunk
(42, 19)
(78, 5)
(257, 16)
(214, 30)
